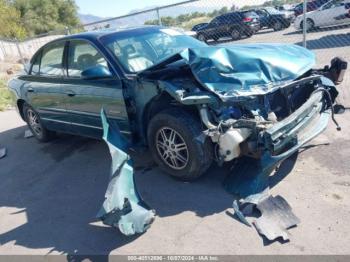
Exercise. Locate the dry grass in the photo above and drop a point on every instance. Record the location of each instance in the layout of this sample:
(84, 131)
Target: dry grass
(6, 97)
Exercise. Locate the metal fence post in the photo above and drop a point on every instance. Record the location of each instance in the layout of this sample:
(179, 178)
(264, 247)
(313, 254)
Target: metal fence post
(159, 18)
(304, 23)
(19, 51)
(67, 30)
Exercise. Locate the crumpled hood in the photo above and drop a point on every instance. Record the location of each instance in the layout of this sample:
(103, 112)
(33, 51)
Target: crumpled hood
(246, 70)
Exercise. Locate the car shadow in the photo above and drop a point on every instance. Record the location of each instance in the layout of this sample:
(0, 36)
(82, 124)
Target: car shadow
(59, 187)
(317, 30)
(328, 41)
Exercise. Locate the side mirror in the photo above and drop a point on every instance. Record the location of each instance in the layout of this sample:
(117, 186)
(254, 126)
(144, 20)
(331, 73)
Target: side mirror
(96, 72)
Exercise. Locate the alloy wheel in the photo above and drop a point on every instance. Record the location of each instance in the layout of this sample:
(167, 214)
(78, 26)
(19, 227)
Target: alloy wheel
(172, 148)
(34, 122)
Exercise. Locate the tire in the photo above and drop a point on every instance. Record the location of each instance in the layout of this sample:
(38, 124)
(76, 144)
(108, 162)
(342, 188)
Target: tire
(310, 25)
(236, 34)
(35, 124)
(201, 37)
(277, 26)
(196, 156)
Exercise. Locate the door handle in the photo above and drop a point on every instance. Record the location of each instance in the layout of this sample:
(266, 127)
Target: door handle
(30, 90)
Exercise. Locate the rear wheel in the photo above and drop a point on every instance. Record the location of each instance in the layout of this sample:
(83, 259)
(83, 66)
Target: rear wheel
(173, 137)
(235, 34)
(310, 25)
(35, 125)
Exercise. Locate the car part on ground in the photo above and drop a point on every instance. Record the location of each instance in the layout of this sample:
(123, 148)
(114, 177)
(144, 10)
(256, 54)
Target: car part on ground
(275, 218)
(123, 207)
(28, 134)
(3, 152)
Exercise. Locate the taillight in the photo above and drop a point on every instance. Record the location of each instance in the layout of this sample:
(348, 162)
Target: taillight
(247, 19)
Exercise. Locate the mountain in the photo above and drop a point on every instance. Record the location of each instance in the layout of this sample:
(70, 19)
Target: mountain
(86, 19)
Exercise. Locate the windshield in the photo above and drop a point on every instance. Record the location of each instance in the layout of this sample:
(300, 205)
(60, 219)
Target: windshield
(139, 51)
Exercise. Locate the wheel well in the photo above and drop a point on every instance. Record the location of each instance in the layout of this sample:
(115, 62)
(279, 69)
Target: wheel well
(20, 103)
(159, 103)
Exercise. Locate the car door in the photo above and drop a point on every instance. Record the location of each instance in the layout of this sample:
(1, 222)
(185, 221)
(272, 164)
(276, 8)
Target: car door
(329, 12)
(88, 92)
(211, 29)
(43, 87)
(264, 18)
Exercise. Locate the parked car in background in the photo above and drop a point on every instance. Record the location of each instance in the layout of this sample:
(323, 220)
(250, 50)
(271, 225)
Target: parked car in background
(335, 12)
(234, 25)
(310, 6)
(269, 17)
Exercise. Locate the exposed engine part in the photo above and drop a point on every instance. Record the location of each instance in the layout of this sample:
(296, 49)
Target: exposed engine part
(205, 118)
(229, 142)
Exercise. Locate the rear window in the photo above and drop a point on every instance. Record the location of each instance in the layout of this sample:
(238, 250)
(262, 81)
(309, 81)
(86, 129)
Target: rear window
(249, 14)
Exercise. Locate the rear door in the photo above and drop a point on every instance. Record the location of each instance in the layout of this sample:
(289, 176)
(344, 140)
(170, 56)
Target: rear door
(44, 87)
(87, 96)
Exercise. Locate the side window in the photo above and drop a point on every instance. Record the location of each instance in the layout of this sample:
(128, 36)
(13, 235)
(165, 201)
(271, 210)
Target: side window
(82, 56)
(36, 64)
(51, 60)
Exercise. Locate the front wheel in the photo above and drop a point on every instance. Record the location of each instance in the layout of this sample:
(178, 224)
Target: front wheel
(202, 38)
(35, 125)
(174, 138)
(277, 26)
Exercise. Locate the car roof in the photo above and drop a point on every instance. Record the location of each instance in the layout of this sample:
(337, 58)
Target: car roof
(91, 35)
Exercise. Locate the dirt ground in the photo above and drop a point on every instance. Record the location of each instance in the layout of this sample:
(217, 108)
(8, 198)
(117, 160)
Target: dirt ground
(50, 194)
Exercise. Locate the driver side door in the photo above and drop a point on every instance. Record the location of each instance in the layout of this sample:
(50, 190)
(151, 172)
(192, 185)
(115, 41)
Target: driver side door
(87, 96)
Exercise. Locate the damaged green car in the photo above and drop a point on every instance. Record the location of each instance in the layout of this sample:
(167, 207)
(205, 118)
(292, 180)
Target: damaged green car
(189, 103)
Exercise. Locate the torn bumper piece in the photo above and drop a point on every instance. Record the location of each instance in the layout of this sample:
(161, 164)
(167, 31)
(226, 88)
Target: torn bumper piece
(123, 207)
(276, 215)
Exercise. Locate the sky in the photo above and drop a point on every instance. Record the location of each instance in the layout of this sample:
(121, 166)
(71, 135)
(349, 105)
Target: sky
(112, 8)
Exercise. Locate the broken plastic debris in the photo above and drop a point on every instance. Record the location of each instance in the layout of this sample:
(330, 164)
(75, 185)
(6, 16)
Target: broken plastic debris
(250, 181)
(28, 134)
(123, 206)
(2, 152)
(276, 218)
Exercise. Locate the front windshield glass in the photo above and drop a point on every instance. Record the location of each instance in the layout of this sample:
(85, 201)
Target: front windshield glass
(139, 51)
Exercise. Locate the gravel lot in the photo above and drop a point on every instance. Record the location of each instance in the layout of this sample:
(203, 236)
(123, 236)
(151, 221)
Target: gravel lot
(50, 193)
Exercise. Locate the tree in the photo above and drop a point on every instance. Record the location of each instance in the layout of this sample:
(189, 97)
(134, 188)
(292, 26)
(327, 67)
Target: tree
(41, 16)
(10, 21)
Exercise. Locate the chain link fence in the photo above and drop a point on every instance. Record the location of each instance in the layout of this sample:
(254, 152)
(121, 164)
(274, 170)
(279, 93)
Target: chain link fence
(320, 25)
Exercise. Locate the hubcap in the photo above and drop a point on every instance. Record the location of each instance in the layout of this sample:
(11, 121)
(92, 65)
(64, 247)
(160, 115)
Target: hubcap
(278, 25)
(201, 38)
(33, 121)
(172, 148)
(308, 25)
(235, 34)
